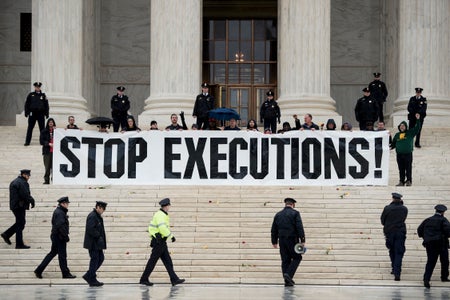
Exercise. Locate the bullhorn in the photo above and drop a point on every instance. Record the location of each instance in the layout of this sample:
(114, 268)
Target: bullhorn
(299, 249)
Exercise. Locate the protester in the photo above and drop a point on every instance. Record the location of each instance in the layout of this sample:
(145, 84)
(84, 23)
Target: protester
(154, 125)
(46, 140)
(232, 125)
(131, 125)
(71, 125)
(309, 124)
(174, 123)
(251, 125)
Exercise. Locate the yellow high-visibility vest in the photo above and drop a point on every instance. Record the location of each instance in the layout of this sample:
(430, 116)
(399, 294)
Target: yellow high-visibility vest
(160, 224)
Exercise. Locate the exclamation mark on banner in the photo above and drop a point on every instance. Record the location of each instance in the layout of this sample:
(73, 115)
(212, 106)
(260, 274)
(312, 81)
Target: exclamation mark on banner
(378, 155)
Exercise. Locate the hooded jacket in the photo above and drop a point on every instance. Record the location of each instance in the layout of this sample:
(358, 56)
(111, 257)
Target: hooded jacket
(403, 142)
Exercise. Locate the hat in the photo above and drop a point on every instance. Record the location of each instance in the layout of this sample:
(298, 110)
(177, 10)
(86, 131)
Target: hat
(205, 85)
(365, 89)
(289, 200)
(376, 74)
(37, 84)
(269, 93)
(397, 196)
(121, 88)
(440, 208)
(63, 200)
(419, 90)
(101, 204)
(25, 171)
(164, 202)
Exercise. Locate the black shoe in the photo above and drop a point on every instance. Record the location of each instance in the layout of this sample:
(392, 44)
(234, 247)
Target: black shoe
(418, 146)
(408, 183)
(426, 284)
(23, 247)
(445, 279)
(288, 279)
(96, 283)
(392, 272)
(146, 282)
(6, 239)
(397, 278)
(26, 144)
(178, 281)
(288, 284)
(38, 274)
(86, 278)
(400, 183)
(69, 276)
(46, 182)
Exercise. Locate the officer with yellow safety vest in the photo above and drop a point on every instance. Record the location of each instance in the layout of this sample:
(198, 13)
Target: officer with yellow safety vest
(159, 230)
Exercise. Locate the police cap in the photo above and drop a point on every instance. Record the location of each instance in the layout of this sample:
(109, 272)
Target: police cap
(419, 90)
(25, 171)
(366, 89)
(205, 85)
(37, 84)
(101, 204)
(121, 88)
(440, 208)
(269, 93)
(289, 200)
(63, 200)
(397, 196)
(376, 74)
(164, 202)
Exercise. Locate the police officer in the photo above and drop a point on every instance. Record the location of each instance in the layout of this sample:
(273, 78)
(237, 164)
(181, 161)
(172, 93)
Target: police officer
(435, 232)
(393, 219)
(379, 92)
(19, 202)
(95, 242)
(60, 238)
(270, 112)
(159, 230)
(366, 109)
(119, 109)
(203, 104)
(417, 105)
(36, 109)
(287, 231)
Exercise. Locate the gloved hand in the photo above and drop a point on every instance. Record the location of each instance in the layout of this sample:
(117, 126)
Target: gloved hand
(173, 239)
(32, 205)
(279, 121)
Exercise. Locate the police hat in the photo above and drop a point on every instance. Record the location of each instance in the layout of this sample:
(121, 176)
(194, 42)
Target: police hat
(440, 208)
(26, 172)
(376, 74)
(63, 200)
(269, 93)
(419, 90)
(121, 88)
(205, 85)
(164, 202)
(365, 89)
(37, 84)
(289, 200)
(397, 196)
(101, 204)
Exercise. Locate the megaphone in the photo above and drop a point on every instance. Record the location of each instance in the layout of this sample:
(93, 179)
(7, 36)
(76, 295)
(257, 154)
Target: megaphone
(299, 249)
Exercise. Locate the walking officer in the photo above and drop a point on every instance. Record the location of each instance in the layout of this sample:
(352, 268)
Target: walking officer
(203, 104)
(417, 105)
(393, 219)
(287, 231)
(379, 92)
(270, 112)
(36, 109)
(119, 109)
(435, 232)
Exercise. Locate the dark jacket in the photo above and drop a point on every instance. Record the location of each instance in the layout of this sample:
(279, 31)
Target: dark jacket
(36, 103)
(378, 90)
(270, 110)
(19, 194)
(403, 141)
(203, 104)
(287, 223)
(417, 106)
(120, 106)
(434, 228)
(60, 224)
(366, 109)
(94, 236)
(46, 137)
(393, 217)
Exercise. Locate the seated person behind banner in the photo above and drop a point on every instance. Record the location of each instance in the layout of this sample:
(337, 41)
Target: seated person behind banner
(369, 126)
(194, 127)
(346, 126)
(251, 125)
(174, 125)
(331, 125)
(213, 124)
(154, 125)
(131, 125)
(267, 131)
(381, 127)
(71, 125)
(309, 124)
(232, 125)
(286, 127)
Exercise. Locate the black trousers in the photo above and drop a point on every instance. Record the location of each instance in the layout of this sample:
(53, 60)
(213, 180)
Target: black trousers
(436, 249)
(289, 259)
(395, 242)
(380, 111)
(97, 258)
(202, 123)
(159, 250)
(119, 121)
(412, 123)
(404, 162)
(48, 163)
(17, 228)
(40, 118)
(271, 123)
(58, 248)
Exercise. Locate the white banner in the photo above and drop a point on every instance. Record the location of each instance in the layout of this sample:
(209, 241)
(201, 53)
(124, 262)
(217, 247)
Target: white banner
(221, 158)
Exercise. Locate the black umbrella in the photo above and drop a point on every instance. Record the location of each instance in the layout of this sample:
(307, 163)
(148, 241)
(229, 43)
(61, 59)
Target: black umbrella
(103, 122)
(224, 114)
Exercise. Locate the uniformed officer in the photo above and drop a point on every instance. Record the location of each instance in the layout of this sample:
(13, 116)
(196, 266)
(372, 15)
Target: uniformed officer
(417, 105)
(19, 202)
(393, 219)
(366, 109)
(60, 238)
(159, 230)
(287, 231)
(203, 104)
(435, 232)
(270, 112)
(379, 92)
(36, 109)
(119, 109)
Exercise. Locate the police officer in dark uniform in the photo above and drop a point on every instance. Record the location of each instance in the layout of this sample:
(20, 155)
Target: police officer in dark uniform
(435, 232)
(366, 109)
(417, 105)
(60, 238)
(287, 231)
(19, 202)
(379, 92)
(393, 219)
(270, 112)
(119, 109)
(36, 109)
(203, 104)
(95, 242)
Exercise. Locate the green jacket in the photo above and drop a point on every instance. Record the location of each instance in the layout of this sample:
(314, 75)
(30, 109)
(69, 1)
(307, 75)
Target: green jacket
(160, 224)
(403, 142)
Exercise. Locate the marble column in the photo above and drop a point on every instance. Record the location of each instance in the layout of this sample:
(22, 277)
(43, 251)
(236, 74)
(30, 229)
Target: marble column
(424, 58)
(175, 60)
(63, 56)
(304, 59)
